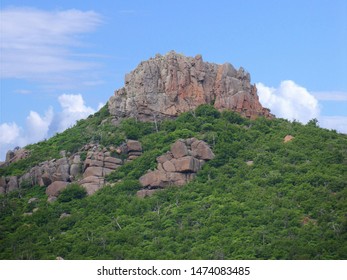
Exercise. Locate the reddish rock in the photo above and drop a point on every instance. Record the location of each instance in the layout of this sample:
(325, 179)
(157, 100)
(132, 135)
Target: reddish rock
(179, 149)
(186, 164)
(93, 171)
(92, 184)
(134, 146)
(110, 165)
(132, 157)
(164, 158)
(113, 160)
(165, 86)
(201, 150)
(169, 166)
(56, 187)
(153, 179)
(96, 163)
(288, 138)
(177, 179)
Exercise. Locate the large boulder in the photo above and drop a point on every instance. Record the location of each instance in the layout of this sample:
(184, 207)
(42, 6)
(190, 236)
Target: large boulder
(93, 171)
(56, 187)
(12, 183)
(92, 184)
(179, 149)
(134, 146)
(75, 169)
(201, 150)
(186, 164)
(62, 171)
(154, 179)
(178, 166)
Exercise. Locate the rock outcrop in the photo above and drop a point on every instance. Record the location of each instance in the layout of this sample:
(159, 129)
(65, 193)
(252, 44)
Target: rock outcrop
(177, 167)
(288, 138)
(165, 86)
(88, 168)
(14, 156)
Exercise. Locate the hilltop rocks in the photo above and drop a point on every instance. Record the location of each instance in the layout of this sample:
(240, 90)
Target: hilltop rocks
(15, 155)
(56, 174)
(176, 167)
(165, 86)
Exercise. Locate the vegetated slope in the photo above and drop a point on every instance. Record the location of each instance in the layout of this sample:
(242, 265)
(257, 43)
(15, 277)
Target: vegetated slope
(260, 198)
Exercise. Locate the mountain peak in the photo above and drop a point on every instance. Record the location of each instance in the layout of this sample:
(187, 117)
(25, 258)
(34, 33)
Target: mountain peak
(166, 86)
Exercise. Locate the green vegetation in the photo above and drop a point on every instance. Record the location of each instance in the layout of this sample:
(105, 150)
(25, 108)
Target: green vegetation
(260, 198)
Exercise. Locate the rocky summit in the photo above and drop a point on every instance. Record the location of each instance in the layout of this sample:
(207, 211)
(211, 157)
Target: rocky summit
(165, 86)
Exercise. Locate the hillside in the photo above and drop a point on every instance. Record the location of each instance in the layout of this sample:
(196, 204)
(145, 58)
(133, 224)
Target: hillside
(260, 197)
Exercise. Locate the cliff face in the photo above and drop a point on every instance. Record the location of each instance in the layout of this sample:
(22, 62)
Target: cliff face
(165, 86)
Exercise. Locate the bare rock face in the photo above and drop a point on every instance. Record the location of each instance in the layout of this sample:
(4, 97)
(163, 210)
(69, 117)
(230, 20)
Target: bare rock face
(16, 155)
(56, 187)
(176, 167)
(165, 86)
(89, 173)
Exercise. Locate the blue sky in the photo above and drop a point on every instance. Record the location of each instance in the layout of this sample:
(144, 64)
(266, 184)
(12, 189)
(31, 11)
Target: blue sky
(61, 60)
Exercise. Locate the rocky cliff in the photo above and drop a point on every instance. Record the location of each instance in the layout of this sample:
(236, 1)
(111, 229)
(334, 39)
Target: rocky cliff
(88, 168)
(165, 86)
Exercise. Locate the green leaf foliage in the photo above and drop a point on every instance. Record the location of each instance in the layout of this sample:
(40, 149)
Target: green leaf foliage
(259, 198)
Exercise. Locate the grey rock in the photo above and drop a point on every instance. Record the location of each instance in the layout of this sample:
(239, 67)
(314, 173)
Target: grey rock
(12, 183)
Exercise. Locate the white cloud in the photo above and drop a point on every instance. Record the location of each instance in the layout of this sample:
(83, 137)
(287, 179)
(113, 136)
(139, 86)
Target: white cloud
(37, 43)
(289, 101)
(9, 132)
(39, 127)
(73, 109)
(339, 123)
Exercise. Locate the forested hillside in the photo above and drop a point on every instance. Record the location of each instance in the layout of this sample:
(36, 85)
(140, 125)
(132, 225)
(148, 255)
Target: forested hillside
(259, 198)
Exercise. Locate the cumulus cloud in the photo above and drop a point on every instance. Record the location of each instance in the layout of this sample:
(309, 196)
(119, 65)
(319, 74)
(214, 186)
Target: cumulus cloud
(289, 101)
(36, 44)
(294, 102)
(39, 127)
(73, 109)
(9, 132)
